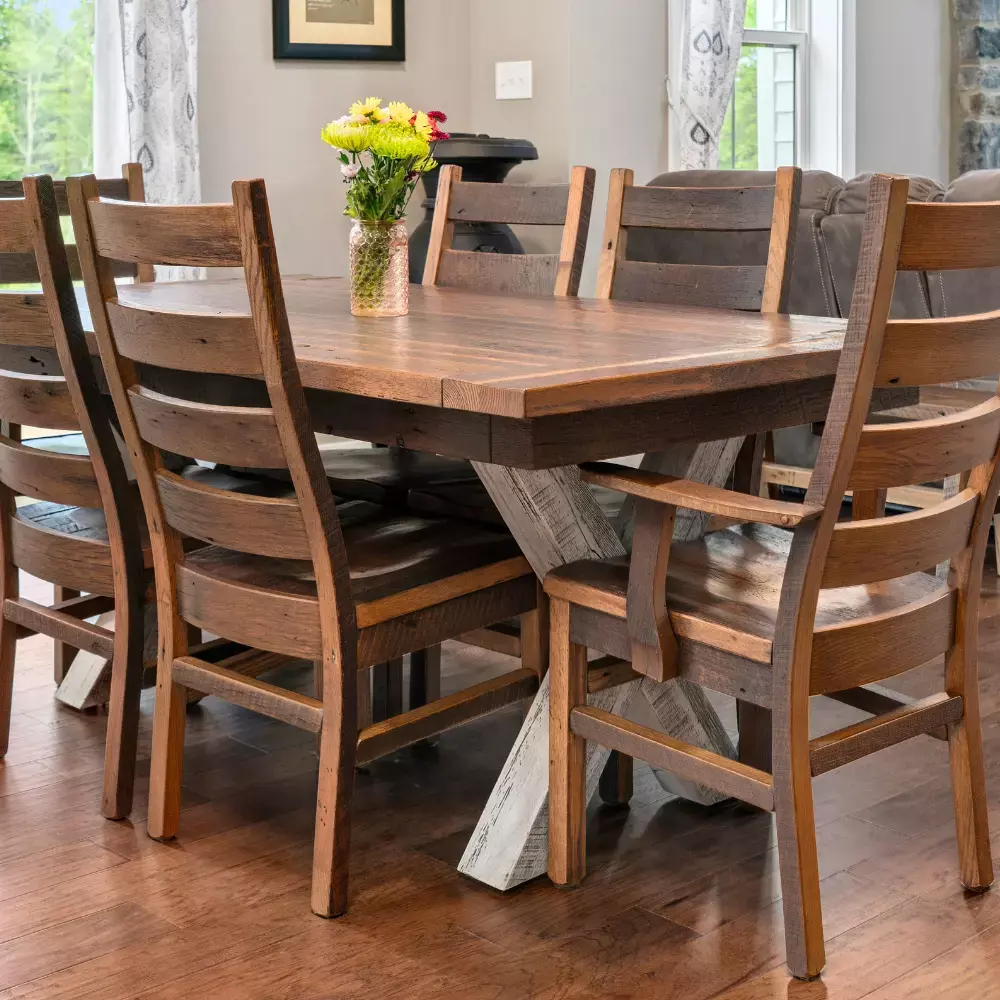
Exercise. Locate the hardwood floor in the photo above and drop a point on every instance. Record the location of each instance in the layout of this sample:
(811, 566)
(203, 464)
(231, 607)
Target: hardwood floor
(681, 902)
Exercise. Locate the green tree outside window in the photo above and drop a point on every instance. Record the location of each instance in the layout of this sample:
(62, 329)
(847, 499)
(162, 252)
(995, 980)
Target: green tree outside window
(46, 87)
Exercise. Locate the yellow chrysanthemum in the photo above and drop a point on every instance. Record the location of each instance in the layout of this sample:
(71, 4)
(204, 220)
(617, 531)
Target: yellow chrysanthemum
(351, 138)
(423, 125)
(382, 115)
(400, 112)
(396, 144)
(366, 107)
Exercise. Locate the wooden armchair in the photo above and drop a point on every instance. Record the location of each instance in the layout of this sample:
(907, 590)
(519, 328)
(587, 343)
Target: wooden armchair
(794, 604)
(290, 573)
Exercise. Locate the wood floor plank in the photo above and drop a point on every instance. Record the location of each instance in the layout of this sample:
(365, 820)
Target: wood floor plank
(680, 901)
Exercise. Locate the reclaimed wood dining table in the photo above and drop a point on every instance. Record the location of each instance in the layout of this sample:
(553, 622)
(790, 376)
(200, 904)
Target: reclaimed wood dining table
(526, 389)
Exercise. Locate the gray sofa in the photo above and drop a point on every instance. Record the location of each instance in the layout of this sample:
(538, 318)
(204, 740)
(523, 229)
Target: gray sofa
(827, 245)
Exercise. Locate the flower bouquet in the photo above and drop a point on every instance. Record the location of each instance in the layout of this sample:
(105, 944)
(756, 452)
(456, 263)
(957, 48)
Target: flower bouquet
(383, 152)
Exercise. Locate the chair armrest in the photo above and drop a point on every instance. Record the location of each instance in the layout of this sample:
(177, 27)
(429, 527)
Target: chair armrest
(697, 496)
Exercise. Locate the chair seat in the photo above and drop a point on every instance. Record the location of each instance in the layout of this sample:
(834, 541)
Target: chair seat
(387, 475)
(723, 590)
(399, 564)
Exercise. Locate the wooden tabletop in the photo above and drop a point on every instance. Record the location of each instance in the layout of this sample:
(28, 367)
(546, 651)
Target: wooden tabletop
(523, 358)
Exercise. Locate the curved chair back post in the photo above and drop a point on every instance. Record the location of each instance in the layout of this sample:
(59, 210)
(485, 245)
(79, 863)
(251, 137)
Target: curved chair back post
(565, 205)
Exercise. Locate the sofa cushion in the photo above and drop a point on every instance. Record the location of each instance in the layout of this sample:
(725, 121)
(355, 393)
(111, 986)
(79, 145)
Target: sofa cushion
(811, 291)
(842, 230)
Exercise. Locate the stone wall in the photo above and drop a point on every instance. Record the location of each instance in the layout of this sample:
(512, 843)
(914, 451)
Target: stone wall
(976, 134)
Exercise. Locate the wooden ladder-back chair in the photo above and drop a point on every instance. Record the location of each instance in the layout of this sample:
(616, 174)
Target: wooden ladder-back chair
(82, 533)
(288, 573)
(567, 206)
(795, 604)
(20, 269)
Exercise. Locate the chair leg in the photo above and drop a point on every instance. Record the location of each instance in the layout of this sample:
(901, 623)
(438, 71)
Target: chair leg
(9, 590)
(996, 541)
(754, 725)
(63, 654)
(968, 777)
(123, 709)
(167, 757)
(616, 784)
(337, 754)
(387, 690)
(567, 755)
(797, 857)
(425, 676)
(8, 647)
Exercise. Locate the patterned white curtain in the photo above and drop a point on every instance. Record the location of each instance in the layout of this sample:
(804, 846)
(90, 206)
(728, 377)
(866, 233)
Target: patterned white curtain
(146, 99)
(711, 36)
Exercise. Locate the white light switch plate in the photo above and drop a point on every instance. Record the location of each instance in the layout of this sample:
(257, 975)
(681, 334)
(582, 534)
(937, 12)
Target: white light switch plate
(514, 81)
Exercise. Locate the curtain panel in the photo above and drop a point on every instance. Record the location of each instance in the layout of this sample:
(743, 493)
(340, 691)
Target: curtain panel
(711, 36)
(146, 94)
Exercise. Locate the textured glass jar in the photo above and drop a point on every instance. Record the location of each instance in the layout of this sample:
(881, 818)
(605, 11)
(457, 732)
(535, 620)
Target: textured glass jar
(380, 269)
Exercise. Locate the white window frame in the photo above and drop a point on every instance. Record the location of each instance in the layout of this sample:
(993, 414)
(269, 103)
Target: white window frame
(823, 34)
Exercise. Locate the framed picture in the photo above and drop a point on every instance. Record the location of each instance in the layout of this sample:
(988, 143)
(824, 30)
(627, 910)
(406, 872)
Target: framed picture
(340, 29)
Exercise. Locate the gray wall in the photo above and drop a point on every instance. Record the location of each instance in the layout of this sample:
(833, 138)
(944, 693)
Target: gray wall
(903, 87)
(261, 118)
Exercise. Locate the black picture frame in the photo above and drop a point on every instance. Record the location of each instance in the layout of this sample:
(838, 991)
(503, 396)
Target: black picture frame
(284, 48)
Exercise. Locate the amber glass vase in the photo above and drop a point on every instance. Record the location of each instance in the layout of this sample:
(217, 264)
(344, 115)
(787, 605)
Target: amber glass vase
(380, 269)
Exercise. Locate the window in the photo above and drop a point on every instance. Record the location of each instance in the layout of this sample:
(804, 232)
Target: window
(764, 123)
(46, 87)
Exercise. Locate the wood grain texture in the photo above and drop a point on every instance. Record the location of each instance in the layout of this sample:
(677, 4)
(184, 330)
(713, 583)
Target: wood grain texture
(921, 451)
(724, 286)
(948, 237)
(863, 738)
(263, 526)
(622, 352)
(242, 436)
(37, 401)
(731, 777)
(183, 235)
(928, 351)
(188, 341)
(48, 475)
(704, 209)
(866, 551)
(511, 204)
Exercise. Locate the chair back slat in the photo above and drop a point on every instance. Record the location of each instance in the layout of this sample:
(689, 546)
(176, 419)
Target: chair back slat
(851, 654)
(24, 320)
(458, 201)
(192, 342)
(706, 209)
(242, 436)
(691, 284)
(181, 235)
(48, 475)
(887, 547)
(109, 187)
(21, 269)
(922, 451)
(750, 287)
(533, 274)
(510, 204)
(950, 236)
(932, 351)
(263, 526)
(37, 401)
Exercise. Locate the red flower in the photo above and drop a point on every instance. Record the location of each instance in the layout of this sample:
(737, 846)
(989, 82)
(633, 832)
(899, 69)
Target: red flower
(438, 136)
(438, 117)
